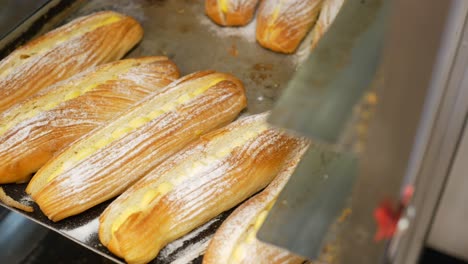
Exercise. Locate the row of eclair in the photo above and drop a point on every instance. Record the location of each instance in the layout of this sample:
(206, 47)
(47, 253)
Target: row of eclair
(132, 128)
(281, 24)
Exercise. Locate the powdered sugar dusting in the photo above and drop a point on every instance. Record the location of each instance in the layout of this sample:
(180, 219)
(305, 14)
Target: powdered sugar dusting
(219, 157)
(27, 200)
(84, 232)
(98, 176)
(239, 6)
(46, 122)
(247, 32)
(66, 58)
(294, 13)
(233, 231)
(191, 252)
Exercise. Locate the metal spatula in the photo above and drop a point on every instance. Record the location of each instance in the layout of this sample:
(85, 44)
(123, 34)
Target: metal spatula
(310, 202)
(317, 103)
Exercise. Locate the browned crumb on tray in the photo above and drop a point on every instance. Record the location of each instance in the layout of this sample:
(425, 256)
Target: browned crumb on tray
(10, 202)
(233, 50)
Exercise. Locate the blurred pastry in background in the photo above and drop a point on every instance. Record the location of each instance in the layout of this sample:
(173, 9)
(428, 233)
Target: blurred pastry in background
(230, 12)
(282, 24)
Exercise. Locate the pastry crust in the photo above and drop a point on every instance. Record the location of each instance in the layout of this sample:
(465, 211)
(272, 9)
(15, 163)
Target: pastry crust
(235, 242)
(282, 24)
(208, 177)
(106, 161)
(87, 41)
(328, 12)
(7, 200)
(32, 131)
(230, 12)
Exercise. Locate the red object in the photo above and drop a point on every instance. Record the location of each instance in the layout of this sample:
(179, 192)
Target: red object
(387, 219)
(387, 216)
(407, 194)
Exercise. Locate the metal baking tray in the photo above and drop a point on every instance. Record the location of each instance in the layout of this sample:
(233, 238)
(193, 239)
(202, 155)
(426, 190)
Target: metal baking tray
(180, 30)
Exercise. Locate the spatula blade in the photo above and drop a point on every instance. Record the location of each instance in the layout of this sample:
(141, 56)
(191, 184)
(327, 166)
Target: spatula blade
(313, 198)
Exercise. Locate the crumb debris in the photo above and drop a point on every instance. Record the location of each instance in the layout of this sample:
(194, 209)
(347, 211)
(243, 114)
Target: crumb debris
(344, 215)
(233, 51)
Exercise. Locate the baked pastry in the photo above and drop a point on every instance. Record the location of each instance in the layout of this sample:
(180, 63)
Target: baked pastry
(235, 241)
(282, 24)
(328, 12)
(85, 42)
(32, 131)
(7, 200)
(105, 162)
(230, 12)
(208, 177)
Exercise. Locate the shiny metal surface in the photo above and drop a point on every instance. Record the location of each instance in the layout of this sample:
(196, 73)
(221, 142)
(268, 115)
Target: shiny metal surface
(448, 231)
(18, 238)
(23, 241)
(311, 202)
(180, 30)
(23, 9)
(319, 103)
(319, 99)
(21, 20)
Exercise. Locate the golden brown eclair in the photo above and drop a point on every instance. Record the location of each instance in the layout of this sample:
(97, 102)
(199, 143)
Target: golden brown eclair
(87, 41)
(230, 12)
(235, 240)
(105, 162)
(32, 131)
(328, 12)
(208, 177)
(282, 24)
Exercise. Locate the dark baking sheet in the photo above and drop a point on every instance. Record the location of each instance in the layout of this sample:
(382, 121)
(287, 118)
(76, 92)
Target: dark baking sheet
(180, 30)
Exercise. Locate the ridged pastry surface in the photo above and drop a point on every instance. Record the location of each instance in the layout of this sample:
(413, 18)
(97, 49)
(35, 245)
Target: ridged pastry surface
(208, 177)
(32, 131)
(282, 24)
(85, 42)
(235, 241)
(230, 12)
(107, 161)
